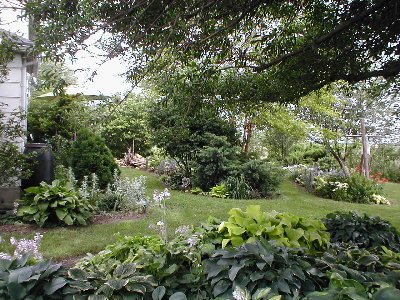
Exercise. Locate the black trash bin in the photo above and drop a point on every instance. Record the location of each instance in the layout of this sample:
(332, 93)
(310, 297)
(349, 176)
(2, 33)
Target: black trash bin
(42, 164)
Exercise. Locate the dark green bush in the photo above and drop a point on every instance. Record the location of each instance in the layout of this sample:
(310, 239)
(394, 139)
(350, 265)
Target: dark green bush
(89, 154)
(362, 230)
(215, 162)
(53, 204)
(262, 177)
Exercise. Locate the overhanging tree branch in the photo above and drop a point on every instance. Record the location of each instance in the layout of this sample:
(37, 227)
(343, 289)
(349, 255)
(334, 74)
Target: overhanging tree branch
(318, 41)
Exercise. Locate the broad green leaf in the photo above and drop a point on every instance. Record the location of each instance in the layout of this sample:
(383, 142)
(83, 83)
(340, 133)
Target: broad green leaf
(68, 220)
(125, 270)
(388, 293)
(261, 293)
(116, 284)
(26, 210)
(294, 234)
(254, 212)
(221, 287)
(158, 293)
(5, 264)
(16, 291)
(237, 241)
(61, 213)
(20, 275)
(77, 274)
(178, 296)
(225, 242)
(55, 284)
(233, 271)
(43, 206)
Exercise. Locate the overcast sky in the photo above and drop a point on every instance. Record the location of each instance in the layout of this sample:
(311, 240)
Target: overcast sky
(108, 80)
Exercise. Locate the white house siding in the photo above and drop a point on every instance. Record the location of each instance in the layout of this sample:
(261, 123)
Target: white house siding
(13, 89)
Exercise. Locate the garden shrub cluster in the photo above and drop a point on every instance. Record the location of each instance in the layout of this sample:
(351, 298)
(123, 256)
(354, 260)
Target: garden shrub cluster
(198, 264)
(356, 189)
(66, 202)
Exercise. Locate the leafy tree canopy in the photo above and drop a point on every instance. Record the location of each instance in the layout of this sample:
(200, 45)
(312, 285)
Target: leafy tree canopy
(291, 47)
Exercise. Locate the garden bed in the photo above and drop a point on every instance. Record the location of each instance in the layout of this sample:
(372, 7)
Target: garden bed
(105, 218)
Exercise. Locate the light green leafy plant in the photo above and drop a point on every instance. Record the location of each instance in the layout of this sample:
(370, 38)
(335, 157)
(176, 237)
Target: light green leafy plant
(53, 204)
(285, 229)
(219, 191)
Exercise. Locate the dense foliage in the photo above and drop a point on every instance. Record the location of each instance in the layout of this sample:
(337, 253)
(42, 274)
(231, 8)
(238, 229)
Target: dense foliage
(182, 134)
(355, 188)
(53, 204)
(301, 46)
(62, 115)
(19, 280)
(363, 231)
(262, 177)
(284, 229)
(125, 126)
(89, 154)
(194, 266)
(214, 162)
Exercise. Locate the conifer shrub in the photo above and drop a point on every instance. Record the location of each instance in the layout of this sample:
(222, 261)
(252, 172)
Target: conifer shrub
(89, 154)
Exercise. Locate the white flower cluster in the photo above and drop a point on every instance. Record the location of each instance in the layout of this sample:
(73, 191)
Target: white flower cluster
(378, 199)
(183, 230)
(337, 185)
(160, 197)
(240, 294)
(25, 246)
(159, 201)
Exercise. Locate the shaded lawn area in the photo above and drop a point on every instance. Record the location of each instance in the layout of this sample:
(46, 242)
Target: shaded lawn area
(188, 209)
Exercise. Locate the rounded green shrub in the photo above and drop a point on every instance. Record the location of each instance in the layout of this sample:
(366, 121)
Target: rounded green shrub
(89, 154)
(262, 176)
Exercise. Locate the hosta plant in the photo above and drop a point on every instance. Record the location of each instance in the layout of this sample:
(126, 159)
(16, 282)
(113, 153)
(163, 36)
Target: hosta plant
(265, 271)
(284, 229)
(362, 230)
(19, 280)
(53, 204)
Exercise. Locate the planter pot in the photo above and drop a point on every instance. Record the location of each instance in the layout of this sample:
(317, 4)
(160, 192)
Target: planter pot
(8, 195)
(42, 162)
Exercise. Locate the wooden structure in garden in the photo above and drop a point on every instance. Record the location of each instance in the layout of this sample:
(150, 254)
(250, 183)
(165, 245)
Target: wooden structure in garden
(14, 94)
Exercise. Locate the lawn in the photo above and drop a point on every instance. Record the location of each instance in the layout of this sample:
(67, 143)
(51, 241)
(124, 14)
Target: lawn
(185, 209)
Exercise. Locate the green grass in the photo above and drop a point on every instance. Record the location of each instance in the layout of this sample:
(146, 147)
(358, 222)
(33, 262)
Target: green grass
(185, 209)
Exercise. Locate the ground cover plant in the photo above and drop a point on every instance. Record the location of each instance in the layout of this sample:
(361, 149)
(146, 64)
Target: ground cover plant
(196, 265)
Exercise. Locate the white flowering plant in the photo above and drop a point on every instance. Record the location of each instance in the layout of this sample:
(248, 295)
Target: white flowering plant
(23, 247)
(159, 201)
(355, 188)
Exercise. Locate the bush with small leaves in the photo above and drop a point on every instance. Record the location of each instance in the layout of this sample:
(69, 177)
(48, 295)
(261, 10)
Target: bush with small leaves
(89, 154)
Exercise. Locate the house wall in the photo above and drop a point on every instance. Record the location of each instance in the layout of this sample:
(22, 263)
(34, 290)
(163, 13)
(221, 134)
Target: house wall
(13, 90)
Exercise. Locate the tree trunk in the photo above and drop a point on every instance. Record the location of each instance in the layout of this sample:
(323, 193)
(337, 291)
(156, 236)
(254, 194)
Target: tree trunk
(247, 133)
(342, 163)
